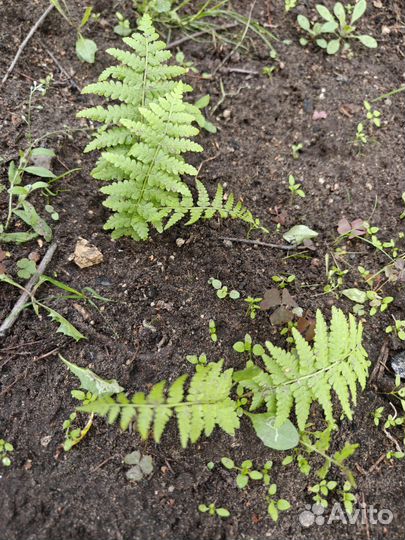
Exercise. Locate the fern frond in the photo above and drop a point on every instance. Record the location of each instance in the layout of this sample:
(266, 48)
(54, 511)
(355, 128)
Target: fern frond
(204, 406)
(336, 363)
(143, 138)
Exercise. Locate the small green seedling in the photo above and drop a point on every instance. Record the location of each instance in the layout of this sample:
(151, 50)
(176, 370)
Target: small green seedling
(213, 330)
(268, 71)
(6, 448)
(294, 187)
(222, 290)
(197, 360)
(275, 506)
(378, 303)
(123, 27)
(336, 32)
(322, 490)
(244, 346)
(361, 137)
(372, 115)
(377, 415)
(85, 48)
(26, 268)
(296, 150)
(213, 510)
(253, 306)
(245, 471)
(289, 5)
(188, 64)
(283, 281)
(74, 435)
(398, 328)
(347, 497)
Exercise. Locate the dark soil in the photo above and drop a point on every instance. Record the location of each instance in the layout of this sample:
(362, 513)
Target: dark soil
(83, 494)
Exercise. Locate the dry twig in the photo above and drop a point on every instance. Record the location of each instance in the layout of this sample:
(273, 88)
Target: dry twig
(19, 305)
(25, 41)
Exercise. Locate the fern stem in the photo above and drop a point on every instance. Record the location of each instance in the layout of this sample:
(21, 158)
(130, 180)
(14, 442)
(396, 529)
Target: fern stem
(145, 72)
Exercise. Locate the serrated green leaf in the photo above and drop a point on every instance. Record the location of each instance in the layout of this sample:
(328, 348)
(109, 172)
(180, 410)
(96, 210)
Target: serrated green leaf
(92, 382)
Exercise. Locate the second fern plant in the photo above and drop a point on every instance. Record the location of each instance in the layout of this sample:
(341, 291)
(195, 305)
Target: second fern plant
(143, 138)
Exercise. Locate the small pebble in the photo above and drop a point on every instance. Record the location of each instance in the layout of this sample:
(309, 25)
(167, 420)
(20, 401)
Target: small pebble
(180, 242)
(398, 364)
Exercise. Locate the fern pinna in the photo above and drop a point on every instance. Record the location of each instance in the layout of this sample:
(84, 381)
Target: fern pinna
(337, 362)
(142, 140)
(206, 404)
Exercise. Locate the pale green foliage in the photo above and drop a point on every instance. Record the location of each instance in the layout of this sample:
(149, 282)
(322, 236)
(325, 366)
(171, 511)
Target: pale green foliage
(142, 141)
(204, 405)
(337, 361)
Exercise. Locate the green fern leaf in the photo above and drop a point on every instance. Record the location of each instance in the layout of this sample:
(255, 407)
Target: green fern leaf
(337, 362)
(146, 130)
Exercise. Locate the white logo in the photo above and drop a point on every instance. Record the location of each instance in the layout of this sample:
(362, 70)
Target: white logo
(314, 515)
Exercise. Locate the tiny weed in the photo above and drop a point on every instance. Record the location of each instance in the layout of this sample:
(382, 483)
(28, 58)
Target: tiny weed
(253, 306)
(296, 150)
(213, 330)
(85, 48)
(398, 328)
(336, 31)
(222, 290)
(212, 510)
(123, 27)
(294, 187)
(283, 281)
(6, 448)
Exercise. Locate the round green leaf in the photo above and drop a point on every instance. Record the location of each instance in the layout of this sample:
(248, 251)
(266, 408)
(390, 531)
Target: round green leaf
(333, 46)
(280, 438)
(242, 481)
(223, 512)
(355, 295)
(239, 347)
(86, 49)
(283, 504)
(227, 463)
(255, 475)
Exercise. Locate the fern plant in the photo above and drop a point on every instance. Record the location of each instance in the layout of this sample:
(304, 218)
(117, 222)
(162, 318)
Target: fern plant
(142, 141)
(207, 403)
(337, 362)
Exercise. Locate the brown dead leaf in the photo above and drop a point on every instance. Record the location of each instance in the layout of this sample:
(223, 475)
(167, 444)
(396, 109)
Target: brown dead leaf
(306, 327)
(282, 315)
(271, 298)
